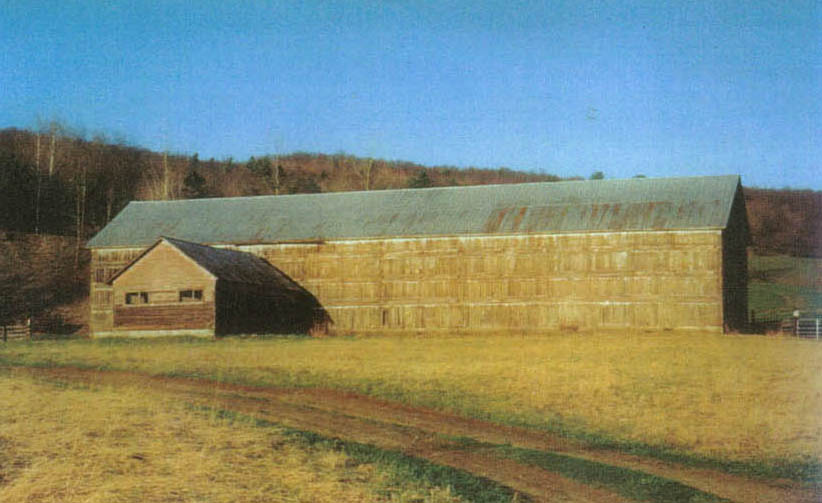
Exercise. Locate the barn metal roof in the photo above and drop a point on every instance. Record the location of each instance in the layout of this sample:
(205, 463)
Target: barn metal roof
(595, 205)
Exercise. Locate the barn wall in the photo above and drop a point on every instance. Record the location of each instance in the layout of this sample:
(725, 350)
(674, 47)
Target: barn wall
(162, 273)
(164, 317)
(652, 280)
(164, 270)
(104, 264)
(735, 240)
(247, 308)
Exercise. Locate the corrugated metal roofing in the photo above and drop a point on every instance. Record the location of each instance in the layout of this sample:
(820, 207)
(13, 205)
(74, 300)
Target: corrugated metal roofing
(600, 205)
(233, 265)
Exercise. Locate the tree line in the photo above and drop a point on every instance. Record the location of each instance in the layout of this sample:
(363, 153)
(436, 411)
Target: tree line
(55, 181)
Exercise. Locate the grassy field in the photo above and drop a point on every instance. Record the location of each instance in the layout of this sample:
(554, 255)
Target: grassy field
(738, 399)
(74, 444)
(781, 283)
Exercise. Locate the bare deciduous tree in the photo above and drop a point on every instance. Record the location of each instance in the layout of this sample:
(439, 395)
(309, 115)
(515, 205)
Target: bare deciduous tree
(54, 129)
(163, 182)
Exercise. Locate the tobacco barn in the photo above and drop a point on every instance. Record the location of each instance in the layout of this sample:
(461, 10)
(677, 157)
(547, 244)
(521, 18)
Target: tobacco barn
(648, 254)
(175, 286)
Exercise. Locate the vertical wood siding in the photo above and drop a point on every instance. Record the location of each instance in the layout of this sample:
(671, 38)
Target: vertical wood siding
(653, 280)
(104, 264)
(616, 280)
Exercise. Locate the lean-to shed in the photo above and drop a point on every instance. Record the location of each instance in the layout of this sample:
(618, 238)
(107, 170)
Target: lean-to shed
(641, 253)
(176, 286)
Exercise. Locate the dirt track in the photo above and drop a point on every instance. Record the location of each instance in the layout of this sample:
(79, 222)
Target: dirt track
(425, 433)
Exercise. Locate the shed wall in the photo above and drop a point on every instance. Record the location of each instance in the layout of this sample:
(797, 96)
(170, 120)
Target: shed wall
(620, 280)
(164, 317)
(162, 274)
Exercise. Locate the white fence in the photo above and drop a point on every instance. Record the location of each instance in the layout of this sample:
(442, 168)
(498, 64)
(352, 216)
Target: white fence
(810, 328)
(19, 331)
(807, 325)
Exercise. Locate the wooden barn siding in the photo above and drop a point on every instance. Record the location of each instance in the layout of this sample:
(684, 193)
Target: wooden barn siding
(165, 317)
(654, 280)
(104, 264)
(164, 269)
(163, 272)
(735, 267)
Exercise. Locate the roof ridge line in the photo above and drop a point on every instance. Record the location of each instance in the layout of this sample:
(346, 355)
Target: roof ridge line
(439, 188)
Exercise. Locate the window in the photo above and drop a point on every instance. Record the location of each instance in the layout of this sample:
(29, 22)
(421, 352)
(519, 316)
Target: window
(191, 295)
(137, 298)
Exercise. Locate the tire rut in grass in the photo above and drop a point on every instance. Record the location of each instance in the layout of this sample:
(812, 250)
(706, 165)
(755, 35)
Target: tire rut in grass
(505, 454)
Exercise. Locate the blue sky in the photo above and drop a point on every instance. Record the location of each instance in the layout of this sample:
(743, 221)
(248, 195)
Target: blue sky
(658, 88)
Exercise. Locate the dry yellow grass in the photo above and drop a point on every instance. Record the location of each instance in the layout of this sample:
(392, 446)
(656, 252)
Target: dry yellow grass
(744, 398)
(105, 445)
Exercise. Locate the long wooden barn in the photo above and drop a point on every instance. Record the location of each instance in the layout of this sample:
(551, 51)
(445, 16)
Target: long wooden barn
(650, 254)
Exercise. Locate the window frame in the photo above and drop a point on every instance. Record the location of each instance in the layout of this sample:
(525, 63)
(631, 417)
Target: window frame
(136, 298)
(190, 295)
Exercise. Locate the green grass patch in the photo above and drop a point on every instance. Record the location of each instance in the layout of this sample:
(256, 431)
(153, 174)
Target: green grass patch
(637, 485)
(764, 297)
(809, 472)
(782, 283)
(785, 270)
(404, 469)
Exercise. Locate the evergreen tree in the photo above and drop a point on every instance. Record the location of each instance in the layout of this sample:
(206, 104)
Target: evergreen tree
(420, 181)
(194, 185)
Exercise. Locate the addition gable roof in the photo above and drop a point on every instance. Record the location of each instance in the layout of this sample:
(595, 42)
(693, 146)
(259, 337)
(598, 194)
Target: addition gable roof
(224, 264)
(574, 206)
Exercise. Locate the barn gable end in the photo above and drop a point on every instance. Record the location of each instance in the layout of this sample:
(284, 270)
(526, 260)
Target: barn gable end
(148, 293)
(622, 254)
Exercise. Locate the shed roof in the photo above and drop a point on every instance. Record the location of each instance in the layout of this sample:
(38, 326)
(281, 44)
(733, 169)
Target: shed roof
(225, 264)
(597, 205)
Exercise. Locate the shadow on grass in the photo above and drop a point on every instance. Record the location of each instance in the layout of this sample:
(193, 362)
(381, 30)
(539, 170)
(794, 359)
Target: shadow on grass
(637, 485)
(633, 484)
(401, 467)
(806, 472)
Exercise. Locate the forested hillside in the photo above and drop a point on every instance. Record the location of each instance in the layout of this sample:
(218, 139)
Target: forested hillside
(785, 222)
